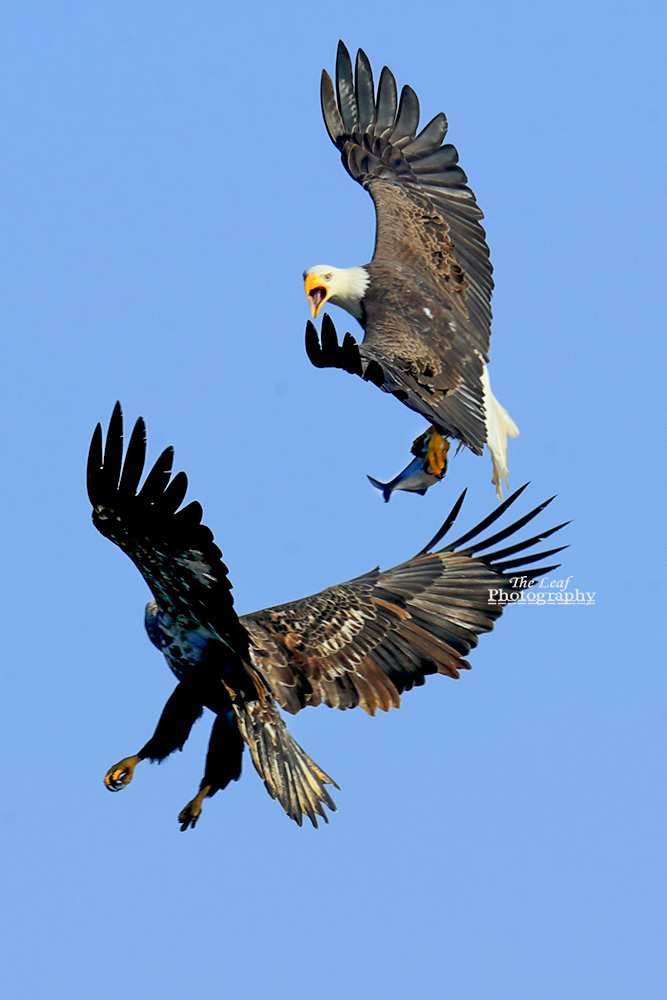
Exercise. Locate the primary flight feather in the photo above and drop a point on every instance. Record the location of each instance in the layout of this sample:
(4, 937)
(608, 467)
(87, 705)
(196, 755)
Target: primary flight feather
(361, 643)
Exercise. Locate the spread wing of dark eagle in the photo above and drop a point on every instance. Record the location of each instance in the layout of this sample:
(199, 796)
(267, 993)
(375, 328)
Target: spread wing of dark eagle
(173, 550)
(427, 308)
(362, 643)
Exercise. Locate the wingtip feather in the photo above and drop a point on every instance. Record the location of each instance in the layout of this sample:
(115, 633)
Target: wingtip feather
(446, 525)
(94, 463)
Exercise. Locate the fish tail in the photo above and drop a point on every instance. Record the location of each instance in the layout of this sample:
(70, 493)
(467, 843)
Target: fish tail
(385, 488)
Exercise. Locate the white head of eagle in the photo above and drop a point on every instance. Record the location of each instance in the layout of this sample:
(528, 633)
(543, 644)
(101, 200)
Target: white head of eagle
(343, 286)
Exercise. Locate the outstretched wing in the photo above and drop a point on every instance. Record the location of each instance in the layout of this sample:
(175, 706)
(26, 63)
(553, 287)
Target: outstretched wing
(428, 306)
(172, 549)
(426, 213)
(366, 641)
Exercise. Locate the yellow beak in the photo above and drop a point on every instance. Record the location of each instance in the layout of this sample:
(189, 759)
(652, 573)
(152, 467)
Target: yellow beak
(317, 292)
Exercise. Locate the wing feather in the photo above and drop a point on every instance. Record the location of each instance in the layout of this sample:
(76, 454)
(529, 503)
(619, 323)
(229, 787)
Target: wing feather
(364, 92)
(386, 103)
(430, 138)
(441, 162)
(407, 119)
(174, 495)
(366, 641)
(347, 103)
(157, 479)
(330, 112)
(134, 460)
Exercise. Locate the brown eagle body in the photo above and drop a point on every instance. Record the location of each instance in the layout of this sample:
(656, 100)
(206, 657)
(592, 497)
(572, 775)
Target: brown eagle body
(361, 643)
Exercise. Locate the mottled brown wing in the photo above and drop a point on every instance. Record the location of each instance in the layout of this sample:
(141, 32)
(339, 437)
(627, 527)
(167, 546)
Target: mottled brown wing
(172, 549)
(428, 307)
(366, 641)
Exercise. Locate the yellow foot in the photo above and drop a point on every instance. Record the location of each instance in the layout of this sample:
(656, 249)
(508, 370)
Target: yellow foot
(120, 774)
(189, 816)
(436, 454)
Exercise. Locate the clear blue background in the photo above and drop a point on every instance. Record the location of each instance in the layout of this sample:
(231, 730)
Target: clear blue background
(166, 178)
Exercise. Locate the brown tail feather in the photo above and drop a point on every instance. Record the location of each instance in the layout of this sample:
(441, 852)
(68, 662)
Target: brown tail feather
(289, 774)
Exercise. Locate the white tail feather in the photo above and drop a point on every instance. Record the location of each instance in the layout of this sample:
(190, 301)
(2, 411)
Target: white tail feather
(499, 426)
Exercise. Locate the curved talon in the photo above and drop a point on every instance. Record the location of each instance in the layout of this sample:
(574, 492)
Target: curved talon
(436, 454)
(189, 816)
(120, 774)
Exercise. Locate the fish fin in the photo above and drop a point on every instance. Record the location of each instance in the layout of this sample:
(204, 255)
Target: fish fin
(385, 488)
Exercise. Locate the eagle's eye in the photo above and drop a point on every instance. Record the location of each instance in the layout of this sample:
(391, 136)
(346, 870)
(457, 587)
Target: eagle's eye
(328, 277)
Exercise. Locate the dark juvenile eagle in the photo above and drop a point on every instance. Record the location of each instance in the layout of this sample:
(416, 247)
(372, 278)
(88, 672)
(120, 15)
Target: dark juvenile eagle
(424, 300)
(361, 643)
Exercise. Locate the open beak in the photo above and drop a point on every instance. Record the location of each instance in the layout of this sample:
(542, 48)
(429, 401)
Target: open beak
(317, 292)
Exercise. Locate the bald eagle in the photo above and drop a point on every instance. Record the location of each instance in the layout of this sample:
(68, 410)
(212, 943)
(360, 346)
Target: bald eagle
(361, 643)
(424, 300)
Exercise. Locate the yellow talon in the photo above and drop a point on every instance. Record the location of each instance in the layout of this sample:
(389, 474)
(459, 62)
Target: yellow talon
(120, 774)
(189, 816)
(436, 454)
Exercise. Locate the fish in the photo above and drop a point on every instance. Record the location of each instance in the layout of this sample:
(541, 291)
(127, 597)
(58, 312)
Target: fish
(423, 471)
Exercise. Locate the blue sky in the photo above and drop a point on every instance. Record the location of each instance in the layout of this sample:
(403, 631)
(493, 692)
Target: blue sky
(166, 180)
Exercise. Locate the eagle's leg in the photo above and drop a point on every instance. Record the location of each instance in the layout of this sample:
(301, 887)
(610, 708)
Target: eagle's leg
(178, 717)
(223, 764)
(189, 816)
(436, 452)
